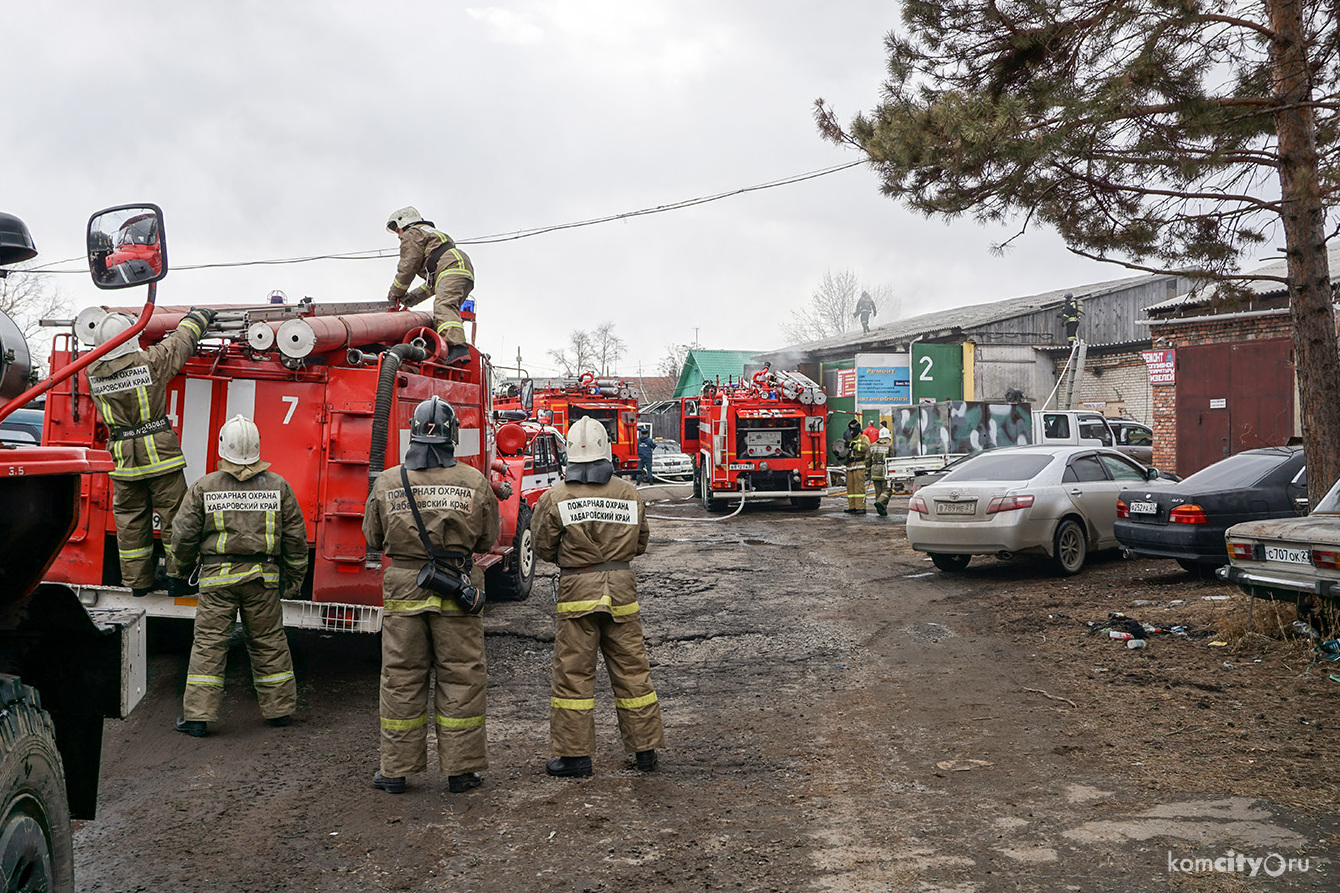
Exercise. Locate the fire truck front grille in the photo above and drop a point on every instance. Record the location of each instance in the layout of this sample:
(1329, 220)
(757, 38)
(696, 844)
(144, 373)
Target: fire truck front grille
(332, 616)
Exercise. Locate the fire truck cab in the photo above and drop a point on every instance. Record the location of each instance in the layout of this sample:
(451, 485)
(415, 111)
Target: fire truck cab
(612, 402)
(757, 438)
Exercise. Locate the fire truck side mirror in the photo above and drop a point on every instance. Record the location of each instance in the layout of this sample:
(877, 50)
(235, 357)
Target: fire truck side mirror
(527, 394)
(127, 246)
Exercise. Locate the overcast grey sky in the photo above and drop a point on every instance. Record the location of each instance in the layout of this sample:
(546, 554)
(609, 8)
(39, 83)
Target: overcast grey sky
(287, 129)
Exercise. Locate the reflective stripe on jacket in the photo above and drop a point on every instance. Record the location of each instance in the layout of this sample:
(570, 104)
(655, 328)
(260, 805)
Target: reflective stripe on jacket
(131, 391)
(582, 526)
(419, 244)
(241, 530)
(459, 511)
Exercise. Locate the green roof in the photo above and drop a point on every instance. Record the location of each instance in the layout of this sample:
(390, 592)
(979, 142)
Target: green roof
(711, 365)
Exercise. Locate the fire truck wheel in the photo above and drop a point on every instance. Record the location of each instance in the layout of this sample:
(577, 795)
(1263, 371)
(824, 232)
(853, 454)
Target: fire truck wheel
(710, 502)
(697, 481)
(514, 583)
(805, 503)
(36, 849)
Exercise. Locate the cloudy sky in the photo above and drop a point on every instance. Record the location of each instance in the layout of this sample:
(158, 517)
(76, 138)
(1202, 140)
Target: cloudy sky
(273, 130)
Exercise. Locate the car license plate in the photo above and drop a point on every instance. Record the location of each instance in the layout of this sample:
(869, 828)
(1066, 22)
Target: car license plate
(1288, 556)
(1144, 508)
(956, 508)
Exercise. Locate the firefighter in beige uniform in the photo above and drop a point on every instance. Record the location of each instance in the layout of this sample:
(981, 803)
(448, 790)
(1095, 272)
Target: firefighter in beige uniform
(424, 632)
(129, 388)
(592, 525)
(244, 526)
(858, 460)
(879, 470)
(449, 276)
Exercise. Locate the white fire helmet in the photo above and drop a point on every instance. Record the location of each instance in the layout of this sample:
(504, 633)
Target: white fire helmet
(240, 441)
(588, 441)
(406, 216)
(108, 328)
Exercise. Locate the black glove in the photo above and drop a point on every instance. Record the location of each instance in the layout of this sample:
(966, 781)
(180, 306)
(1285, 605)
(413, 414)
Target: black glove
(204, 315)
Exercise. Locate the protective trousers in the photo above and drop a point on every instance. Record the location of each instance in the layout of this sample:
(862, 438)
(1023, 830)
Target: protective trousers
(133, 504)
(856, 487)
(883, 491)
(452, 645)
(453, 287)
(572, 723)
(271, 663)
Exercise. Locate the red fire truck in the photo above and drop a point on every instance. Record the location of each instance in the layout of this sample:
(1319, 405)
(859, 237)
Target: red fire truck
(610, 401)
(757, 438)
(332, 388)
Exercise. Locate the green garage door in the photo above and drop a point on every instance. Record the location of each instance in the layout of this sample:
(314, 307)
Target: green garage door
(937, 372)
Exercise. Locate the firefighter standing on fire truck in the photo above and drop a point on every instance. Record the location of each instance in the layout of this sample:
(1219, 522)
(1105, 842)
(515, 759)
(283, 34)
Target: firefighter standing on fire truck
(592, 525)
(449, 276)
(421, 630)
(129, 388)
(244, 526)
(858, 460)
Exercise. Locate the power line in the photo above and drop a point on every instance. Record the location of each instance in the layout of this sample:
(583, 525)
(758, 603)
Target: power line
(379, 253)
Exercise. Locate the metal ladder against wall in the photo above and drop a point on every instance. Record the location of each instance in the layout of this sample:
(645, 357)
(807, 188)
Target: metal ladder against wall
(1066, 384)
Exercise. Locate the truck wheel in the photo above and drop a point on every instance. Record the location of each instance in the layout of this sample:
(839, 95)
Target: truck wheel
(710, 502)
(697, 481)
(805, 503)
(514, 583)
(950, 564)
(36, 849)
(1070, 547)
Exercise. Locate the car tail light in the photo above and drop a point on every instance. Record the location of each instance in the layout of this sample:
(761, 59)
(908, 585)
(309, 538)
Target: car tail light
(1326, 558)
(1008, 503)
(1123, 510)
(1245, 551)
(918, 505)
(1188, 514)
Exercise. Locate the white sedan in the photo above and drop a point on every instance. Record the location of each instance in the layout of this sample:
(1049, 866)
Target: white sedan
(669, 463)
(1055, 501)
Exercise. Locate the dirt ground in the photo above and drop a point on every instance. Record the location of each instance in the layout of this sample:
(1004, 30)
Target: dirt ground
(840, 716)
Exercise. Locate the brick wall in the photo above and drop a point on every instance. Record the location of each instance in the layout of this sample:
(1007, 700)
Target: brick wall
(1118, 377)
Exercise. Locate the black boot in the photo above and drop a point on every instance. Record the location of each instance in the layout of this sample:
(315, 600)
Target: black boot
(646, 760)
(459, 784)
(280, 721)
(394, 785)
(141, 591)
(193, 727)
(459, 353)
(569, 767)
(180, 588)
(883, 512)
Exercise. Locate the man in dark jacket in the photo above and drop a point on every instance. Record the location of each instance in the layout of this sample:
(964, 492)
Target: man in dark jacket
(646, 449)
(446, 270)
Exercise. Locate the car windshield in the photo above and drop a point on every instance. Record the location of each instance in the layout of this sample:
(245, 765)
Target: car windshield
(667, 446)
(998, 466)
(1235, 472)
(1331, 501)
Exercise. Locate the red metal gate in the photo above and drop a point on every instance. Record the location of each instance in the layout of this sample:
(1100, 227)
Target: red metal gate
(1232, 397)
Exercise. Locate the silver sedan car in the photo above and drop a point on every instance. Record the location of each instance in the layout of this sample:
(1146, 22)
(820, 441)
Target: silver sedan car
(1055, 501)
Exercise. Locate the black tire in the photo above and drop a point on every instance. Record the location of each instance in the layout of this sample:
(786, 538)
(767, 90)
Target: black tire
(805, 503)
(710, 502)
(1070, 547)
(513, 584)
(36, 849)
(950, 564)
(697, 481)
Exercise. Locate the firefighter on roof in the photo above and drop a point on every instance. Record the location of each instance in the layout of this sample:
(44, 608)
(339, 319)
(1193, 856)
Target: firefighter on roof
(858, 460)
(421, 630)
(129, 388)
(244, 526)
(592, 525)
(864, 308)
(449, 276)
(1072, 311)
